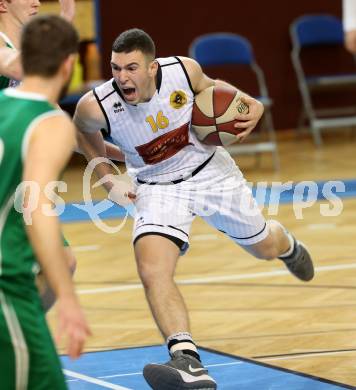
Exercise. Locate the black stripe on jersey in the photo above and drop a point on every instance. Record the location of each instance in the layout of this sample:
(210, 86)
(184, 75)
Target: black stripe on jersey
(107, 95)
(159, 78)
(117, 89)
(103, 110)
(186, 74)
(171, 63)
(246, 238)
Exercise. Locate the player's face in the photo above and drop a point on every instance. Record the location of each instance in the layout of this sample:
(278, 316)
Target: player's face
(22, 10)
(135, 76)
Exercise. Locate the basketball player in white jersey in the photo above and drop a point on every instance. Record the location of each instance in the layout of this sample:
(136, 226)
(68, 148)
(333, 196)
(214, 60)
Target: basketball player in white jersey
(146, 108)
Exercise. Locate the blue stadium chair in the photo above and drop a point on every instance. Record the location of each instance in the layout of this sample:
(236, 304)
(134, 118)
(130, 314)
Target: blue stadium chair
(323, 36)
(220, 49)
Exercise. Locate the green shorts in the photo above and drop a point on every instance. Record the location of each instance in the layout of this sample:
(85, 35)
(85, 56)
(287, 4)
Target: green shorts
(28, 358)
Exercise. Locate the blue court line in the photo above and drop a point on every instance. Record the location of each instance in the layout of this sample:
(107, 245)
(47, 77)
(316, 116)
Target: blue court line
(123, 367)
(321, 190)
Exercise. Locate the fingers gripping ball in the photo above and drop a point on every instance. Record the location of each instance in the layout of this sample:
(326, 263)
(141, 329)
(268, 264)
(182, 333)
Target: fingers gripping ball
(214, 113)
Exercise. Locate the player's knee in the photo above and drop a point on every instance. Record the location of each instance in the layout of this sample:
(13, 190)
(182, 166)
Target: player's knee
(153, 273)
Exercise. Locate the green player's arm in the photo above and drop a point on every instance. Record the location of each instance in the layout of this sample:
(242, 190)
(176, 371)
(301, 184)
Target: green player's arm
(45, 158)
(67, 9)
(10, 62)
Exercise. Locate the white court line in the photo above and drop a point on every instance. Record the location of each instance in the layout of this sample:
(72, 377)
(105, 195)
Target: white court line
(86, 248)
(301, 356)
(140, 373)
(317, 226)
(215, 279)
(94, 380)
(224, 364)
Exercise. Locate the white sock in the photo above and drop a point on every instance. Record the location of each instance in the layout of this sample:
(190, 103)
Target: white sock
(180, 341)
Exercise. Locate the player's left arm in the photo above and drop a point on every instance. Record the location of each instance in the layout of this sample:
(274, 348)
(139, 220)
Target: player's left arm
(200, 81)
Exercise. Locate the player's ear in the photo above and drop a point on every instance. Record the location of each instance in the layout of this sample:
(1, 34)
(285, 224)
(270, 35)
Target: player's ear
(68, 66)
(152, 68)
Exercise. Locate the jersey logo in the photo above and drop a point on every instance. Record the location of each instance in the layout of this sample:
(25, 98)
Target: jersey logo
(164, 146)
(178, 99)
(118, 107)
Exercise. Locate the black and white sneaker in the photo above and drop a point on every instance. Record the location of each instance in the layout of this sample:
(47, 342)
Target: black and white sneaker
(180, 373)
(299, 262)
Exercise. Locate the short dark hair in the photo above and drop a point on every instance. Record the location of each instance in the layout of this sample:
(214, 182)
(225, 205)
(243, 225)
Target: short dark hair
(46, 41)
(134, 39)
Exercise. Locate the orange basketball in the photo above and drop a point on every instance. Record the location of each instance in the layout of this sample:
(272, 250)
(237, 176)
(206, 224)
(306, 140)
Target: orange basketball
(214, 113)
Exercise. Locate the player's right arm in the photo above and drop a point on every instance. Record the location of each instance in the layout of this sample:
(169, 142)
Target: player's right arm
(45, 157)
(89, 119)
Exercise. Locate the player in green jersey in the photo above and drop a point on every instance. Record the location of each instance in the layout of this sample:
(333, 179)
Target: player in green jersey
(13, 15)
(36, 141)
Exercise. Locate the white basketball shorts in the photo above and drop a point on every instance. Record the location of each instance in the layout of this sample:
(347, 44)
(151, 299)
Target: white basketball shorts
(218, 194)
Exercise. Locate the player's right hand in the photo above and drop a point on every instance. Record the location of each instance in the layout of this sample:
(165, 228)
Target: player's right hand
(120, 188)
(72, 325)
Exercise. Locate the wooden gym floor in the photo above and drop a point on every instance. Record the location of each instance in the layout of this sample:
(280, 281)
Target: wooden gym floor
(238, 304)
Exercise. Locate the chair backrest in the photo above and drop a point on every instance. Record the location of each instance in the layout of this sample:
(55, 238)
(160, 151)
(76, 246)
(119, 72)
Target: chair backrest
(317, 30)
(221, 49)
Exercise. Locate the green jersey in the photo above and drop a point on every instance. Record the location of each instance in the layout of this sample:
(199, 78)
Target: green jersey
(19, 112)
(5, 81)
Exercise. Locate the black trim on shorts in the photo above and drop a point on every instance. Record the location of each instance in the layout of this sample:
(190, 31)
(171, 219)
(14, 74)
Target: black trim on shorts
(186, 74)
(196, 170)
(103, 110)
(246, 238)
(180, 243)
(180, 230)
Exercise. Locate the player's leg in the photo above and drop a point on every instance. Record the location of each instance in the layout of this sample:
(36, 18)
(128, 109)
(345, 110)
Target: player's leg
(157, 258)
(282, 245)
(47, 294)
(160, 236)
(233, 211)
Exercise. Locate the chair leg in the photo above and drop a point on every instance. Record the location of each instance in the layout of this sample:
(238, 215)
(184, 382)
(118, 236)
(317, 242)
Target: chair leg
(316, 135)
(301, 120)
(276, 163)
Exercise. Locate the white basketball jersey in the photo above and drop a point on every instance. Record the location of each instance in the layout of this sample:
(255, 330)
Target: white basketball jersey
(156, 136)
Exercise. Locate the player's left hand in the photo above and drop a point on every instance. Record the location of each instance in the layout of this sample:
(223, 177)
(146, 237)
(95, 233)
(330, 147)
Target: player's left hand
(248, 121)
(67, 9)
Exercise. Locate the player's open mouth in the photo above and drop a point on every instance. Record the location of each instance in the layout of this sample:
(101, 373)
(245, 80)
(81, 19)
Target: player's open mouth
(129, 93)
